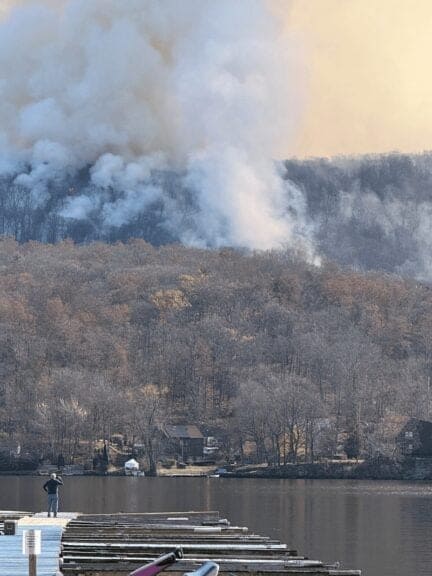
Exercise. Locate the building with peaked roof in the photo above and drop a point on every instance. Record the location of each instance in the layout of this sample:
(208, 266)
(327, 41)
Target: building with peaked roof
(415, 439)
(184, 441)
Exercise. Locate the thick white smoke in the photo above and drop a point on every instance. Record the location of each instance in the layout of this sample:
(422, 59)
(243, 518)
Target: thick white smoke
(205, 88)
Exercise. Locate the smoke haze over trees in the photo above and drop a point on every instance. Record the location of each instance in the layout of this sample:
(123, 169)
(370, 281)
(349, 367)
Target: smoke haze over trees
(372, 213)
(124, 90)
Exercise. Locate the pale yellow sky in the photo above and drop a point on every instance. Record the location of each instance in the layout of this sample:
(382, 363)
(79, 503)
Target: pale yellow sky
(368, 75)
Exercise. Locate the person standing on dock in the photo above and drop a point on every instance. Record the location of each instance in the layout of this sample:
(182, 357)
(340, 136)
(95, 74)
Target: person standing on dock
(51, 487)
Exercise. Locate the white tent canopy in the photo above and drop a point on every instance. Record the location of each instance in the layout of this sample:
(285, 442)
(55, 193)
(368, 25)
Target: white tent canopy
(131, 464)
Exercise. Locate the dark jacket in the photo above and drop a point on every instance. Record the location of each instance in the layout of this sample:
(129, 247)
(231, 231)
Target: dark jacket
(52, 485)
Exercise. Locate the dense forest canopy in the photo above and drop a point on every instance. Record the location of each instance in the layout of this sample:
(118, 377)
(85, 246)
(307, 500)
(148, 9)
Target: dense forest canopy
(104, 338)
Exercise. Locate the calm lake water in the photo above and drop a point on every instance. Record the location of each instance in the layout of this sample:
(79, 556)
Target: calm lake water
(384, 528)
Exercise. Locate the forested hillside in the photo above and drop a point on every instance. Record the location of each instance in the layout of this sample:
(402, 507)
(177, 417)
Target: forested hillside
(370, 212)
(99, 338)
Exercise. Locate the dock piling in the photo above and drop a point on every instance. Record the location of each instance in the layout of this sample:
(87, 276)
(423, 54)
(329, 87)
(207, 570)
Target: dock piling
(32, 565)
(32, 548)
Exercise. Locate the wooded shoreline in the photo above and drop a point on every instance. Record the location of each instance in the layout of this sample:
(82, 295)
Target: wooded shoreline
(408, 469)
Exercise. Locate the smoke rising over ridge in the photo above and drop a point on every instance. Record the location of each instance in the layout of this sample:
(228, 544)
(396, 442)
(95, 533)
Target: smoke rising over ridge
(155, 101)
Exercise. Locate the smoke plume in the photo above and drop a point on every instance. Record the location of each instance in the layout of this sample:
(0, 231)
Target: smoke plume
(201, 93)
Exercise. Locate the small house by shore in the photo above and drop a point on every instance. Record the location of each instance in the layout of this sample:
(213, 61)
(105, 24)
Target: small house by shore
(185, 441)
(415, 439)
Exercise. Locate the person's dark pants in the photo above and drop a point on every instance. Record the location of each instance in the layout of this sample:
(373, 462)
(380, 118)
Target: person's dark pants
(52, 504)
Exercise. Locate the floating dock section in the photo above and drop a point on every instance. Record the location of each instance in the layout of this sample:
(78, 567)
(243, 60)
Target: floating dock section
(117, 544)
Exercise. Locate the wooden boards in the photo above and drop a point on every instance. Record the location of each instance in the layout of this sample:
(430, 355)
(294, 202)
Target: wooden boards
(117, 544)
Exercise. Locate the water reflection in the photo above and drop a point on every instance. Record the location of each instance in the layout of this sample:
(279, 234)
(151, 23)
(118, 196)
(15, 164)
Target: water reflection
(381, 527)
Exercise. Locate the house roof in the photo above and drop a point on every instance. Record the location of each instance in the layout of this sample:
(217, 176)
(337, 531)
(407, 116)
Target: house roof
(183, 431)
(416, 423)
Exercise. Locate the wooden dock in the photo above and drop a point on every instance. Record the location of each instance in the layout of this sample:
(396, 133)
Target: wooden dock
(12, 560)
(117, 544)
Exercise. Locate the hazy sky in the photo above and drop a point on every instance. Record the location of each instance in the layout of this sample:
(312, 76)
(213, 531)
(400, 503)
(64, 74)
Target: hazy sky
(368, 75)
